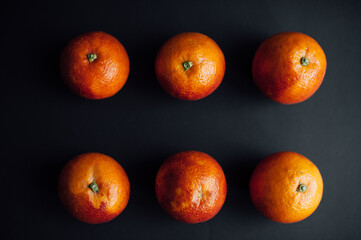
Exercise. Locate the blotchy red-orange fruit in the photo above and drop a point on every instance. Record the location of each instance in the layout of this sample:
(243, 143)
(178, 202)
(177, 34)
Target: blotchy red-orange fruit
(94, 65)
(289, 67)
(94, 188)
(191, 186)
(190, 66)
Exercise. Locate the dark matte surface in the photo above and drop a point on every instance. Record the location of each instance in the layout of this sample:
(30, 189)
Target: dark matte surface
(43, 124)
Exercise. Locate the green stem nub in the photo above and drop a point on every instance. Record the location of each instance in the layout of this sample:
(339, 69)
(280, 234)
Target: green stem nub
(94, 187)
(92, 57)
(301, 188)
(187, 65)
(304, 61)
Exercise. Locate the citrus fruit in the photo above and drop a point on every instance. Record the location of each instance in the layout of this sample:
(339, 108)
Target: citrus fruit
(289, 67)
(191, 186)
(286, 187)
(94, 188)
(94, 65)
(190, 66)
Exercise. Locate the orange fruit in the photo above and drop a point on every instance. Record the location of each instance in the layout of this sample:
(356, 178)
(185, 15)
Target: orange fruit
(94, 65)
(289, 67)
(286, 187)
(94, 188)
(191, 186)
(190, 66)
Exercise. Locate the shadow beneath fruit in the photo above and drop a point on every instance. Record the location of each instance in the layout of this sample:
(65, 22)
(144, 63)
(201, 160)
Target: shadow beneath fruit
(142, 74)
(238, 173)
(143, 203)
(46, 181)
(49, 76)
(239, 52)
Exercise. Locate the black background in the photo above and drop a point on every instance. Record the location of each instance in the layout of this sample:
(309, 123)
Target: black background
(43, 124)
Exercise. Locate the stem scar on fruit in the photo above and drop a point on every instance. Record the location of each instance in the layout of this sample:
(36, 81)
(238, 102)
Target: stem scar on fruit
(94, 187)
(187, 65)
(304, 61)
(92, 56)
(301, 188)
(201, 194)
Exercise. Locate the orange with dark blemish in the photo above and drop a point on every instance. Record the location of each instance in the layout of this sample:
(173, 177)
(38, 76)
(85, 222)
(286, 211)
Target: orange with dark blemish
(289, 67)
(94, 65)
(191, 186)
(94, 188)
(190, 66)
(286, 187)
